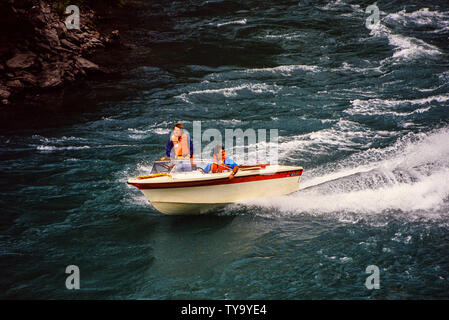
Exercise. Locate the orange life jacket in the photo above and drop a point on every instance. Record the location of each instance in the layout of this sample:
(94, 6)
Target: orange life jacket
(218, 165)
(182, 143)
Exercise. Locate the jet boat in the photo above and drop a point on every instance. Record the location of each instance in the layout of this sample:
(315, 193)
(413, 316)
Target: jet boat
(182, 187)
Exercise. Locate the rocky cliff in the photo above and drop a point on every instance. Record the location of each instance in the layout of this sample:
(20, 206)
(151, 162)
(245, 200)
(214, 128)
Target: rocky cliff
(38, 52)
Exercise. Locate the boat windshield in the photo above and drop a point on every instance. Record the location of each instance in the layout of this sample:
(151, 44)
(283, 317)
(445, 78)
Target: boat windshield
(176, 166)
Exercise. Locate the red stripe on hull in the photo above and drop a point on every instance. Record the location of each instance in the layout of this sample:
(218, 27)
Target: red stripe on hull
(215, 182)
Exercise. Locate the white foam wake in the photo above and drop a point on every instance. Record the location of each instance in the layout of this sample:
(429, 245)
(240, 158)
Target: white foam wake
(256, 88)
(427, 194)
(242, 22)
(406, 48)
(382, 107)
(285, 69)
(421, 17)
(411, 177)
(343, 135)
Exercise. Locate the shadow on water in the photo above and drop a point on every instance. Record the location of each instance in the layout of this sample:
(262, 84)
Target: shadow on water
(204, 223)
(143, 224)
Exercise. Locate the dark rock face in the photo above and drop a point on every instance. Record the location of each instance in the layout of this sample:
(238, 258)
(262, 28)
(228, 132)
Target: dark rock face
(51, 75)
(4, 92)
(39, 52)
(86, 64)
(21, 61)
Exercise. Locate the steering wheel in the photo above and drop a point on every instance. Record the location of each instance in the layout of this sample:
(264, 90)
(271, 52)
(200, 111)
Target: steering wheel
(201, 170)
(167, 166)
(163, 165)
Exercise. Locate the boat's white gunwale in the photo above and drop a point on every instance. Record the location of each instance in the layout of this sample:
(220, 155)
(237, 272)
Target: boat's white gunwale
(177, 178)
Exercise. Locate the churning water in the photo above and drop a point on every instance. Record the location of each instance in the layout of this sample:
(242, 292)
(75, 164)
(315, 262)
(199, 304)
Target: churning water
(365, 112)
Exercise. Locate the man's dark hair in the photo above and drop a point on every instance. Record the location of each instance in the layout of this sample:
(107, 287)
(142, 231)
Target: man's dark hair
(178, 125)
(217, 148)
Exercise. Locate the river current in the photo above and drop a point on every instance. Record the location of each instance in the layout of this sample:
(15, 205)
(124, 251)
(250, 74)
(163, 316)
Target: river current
(364, 111)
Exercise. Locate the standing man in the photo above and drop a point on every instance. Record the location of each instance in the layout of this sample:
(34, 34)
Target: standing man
(179, 146)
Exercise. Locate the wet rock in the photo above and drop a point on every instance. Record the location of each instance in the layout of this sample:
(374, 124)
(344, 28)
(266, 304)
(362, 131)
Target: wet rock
(63, 51)
(87, 65)
(113, 39)
(69, 76)
(51, 35)
(115, 34)
(21, 3)
(73, 36)
(38, 19)
(45, 47)
(45, 8)
(63, 28)
(17, 84)
(21, 60)
(69, 45)
(4, 92)
(91, 45)
(27, 78)
(50, 76)
(43, 53)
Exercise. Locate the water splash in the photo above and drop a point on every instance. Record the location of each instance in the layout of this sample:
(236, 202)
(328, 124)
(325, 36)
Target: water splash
(410, 176)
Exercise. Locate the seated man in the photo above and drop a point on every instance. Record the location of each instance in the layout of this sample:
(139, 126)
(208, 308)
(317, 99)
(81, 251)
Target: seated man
(221, 162)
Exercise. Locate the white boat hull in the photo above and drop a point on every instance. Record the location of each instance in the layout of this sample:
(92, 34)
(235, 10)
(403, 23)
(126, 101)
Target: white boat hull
(178, 197)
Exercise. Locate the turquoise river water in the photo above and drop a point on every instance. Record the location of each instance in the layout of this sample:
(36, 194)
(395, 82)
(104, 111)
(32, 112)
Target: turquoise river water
(364, 111)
